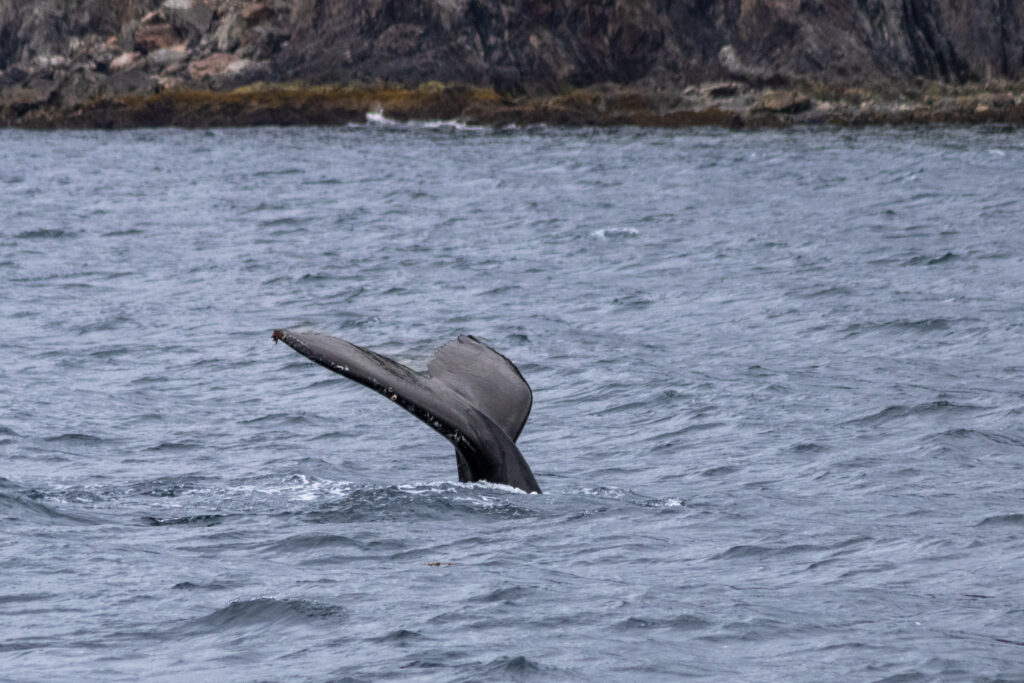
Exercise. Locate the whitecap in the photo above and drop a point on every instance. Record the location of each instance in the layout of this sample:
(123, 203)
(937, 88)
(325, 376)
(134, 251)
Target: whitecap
(614, 233)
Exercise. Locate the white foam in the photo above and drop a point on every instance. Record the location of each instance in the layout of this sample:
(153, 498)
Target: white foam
(442, 486)
(612, 233)
(376, 117)
(451, 123)
(297, 487)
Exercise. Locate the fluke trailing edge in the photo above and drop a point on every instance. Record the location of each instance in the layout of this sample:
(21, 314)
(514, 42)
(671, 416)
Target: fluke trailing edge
(470, 394)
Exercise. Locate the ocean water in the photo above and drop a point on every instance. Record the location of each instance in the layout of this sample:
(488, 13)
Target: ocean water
(778, 404)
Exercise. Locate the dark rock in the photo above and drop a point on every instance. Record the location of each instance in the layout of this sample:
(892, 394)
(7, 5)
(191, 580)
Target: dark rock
(191, 17)
(399, 40)
(722, 89)
(130, 83)
(230, 33)
(214, 65)
(167, 57)
(150, 37)
(262, 43)
(80, 87)
(536, 45)
(505, 81)
(652, 62)
(35, 92)
(786, 102)
(13, 76)
(578, 43)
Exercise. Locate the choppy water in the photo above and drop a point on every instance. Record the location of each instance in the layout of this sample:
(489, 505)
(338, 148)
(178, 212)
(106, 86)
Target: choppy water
(778, 417)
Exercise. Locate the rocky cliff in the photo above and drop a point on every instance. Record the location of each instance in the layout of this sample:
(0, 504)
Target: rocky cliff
(60, 58)
(548, 45)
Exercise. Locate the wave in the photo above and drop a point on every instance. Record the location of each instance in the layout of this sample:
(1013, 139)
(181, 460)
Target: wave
(924, 325)
(1003, 438)
(1012, 519)
(629, 497)
(896, 412)
(197, 520)
(123, 233)
(266, 612)
(46, 234)
(75, 438)
(193, 501)
(760, 552)
(189, 586)
(505, 667)
(25, 505)
(683, 622)
(174, 447)
(517, 665)
(932, 261)
(438, 500)
(317, 500)
(305, 542)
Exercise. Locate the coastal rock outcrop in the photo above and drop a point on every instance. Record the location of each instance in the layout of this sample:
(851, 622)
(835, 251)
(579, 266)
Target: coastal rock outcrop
(535, 44)
(59, 54)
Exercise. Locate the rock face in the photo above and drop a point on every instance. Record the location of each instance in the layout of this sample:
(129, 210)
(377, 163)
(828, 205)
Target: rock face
(545, 44)
(548, 44)
(58, 52)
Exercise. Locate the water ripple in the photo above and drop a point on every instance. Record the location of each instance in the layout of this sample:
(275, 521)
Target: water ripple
(777, 383)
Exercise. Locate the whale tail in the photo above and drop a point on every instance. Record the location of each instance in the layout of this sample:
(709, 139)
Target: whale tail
(471, 394)
(486, 379)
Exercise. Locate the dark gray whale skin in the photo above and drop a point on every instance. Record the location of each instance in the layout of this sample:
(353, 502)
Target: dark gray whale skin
(471, 395)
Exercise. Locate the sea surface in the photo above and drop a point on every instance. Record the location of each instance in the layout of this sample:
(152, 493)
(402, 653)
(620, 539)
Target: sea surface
(778, 405)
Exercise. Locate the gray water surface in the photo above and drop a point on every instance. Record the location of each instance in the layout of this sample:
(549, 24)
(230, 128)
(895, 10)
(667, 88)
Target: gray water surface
(778, 405)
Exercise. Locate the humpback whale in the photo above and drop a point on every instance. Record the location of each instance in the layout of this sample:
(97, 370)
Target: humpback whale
(470, 394)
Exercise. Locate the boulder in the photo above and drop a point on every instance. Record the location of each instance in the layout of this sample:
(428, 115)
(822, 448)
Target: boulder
(149, 37)
(230, 33)
(191, 17)
(125, 61)
(214, 65)
(169, 82)
(167, 56)
(717, 90)
(240, 67)
(13, 76)
(34, 92)
(784, 102)
(256, 13)
(133, 82)
(81, 86)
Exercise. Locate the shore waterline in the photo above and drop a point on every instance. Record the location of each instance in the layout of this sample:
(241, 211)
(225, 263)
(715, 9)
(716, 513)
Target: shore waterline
(728, 104)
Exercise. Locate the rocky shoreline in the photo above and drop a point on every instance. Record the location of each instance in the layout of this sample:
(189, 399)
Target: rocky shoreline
(735, 63)
(717, 104)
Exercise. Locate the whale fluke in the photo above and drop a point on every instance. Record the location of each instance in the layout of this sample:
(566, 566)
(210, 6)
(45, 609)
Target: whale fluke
(471, 395)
